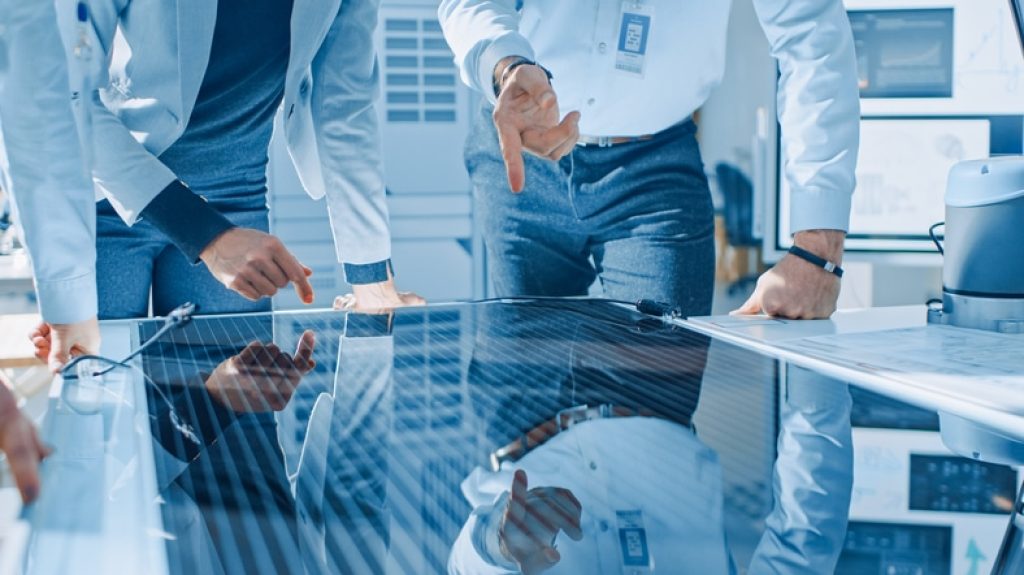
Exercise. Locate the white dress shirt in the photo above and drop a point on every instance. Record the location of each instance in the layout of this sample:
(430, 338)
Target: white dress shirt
(578, 41)
(41, 161)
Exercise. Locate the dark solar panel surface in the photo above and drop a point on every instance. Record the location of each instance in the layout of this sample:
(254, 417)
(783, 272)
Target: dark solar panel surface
(333, 443)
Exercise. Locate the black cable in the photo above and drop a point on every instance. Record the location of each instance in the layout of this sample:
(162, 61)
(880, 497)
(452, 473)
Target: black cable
(935, 238)
(178, 317)
(645, 306)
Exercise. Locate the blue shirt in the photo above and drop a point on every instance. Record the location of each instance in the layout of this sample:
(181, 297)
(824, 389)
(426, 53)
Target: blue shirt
(222, 154)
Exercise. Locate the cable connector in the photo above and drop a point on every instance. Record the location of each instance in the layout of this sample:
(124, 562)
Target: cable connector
(659, 309)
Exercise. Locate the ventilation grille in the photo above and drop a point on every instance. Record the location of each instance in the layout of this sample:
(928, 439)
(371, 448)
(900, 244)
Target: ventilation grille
(419, 75)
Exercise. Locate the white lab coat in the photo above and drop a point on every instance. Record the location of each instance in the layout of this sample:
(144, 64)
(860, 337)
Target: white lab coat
(41, 161)
(158, 53)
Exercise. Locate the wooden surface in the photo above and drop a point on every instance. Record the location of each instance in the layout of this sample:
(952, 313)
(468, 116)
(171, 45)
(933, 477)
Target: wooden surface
(15, 348)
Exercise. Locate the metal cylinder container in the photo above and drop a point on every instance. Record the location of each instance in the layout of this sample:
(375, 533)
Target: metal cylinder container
(983, 265)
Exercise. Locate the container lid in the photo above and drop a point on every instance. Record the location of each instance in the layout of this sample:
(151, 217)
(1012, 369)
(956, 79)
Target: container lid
(976, 183)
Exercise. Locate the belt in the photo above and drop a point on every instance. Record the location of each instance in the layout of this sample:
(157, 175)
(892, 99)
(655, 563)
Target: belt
(561, 422)
(609, 141)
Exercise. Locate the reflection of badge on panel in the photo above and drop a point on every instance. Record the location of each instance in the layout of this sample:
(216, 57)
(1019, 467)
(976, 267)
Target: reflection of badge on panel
(634, 36)
(636, 555)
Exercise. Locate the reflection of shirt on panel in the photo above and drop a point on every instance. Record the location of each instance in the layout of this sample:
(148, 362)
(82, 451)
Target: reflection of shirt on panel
(340, 486)
(812, 481)
(678, 490)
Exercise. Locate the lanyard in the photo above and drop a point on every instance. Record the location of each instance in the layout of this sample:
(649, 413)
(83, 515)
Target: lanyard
(81, 87)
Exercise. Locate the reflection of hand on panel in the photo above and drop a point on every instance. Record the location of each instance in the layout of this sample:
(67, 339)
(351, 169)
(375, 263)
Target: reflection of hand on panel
(532, 519)
(262, 377)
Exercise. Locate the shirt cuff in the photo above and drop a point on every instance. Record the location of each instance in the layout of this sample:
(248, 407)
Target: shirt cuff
(377, 272)
(364, 325)
(485, 534)
(186, 219)
(510, 44)
(815, 209)
(68, 301)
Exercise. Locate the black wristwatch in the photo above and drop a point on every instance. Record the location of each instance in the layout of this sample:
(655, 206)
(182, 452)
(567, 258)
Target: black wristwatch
(819, 261)
(518, 61)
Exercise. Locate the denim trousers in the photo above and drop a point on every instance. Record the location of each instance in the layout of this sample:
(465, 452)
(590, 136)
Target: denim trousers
(133, 262)
(637, 217)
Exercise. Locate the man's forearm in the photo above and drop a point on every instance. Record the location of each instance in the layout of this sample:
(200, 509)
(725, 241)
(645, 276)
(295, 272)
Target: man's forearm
(186, 219)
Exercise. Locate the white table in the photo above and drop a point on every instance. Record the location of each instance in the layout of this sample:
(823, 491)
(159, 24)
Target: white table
(975, 396)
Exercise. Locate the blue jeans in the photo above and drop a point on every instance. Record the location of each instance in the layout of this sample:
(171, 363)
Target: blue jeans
(636, 216)
(132, 261)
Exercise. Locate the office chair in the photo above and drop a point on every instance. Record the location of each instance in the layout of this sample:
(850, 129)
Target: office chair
(738, 213)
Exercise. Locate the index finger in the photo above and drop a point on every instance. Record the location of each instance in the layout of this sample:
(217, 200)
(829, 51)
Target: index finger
(304, 351)
(512, 154)
(517, 499)
(296, 273)
(751, 307)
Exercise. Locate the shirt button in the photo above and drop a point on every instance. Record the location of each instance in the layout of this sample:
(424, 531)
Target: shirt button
(604, 525)
(593, 465)
(591, 101)
(602, 47)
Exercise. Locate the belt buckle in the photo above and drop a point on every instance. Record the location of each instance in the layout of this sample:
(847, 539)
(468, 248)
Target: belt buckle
(570, 416)
(580, 413)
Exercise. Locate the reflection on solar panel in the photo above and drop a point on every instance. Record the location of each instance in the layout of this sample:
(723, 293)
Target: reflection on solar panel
(373, 459)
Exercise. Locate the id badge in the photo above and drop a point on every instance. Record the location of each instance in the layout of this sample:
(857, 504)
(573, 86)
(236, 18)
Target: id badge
(634, 36)
(636, 555)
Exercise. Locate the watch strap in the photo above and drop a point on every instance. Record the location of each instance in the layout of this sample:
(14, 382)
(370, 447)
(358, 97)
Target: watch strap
(819, 261)
(518, 61)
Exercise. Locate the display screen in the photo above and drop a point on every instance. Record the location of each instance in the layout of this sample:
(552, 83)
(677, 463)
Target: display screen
(875, 547)
(938, 86)
(957, 485)
(904, 53)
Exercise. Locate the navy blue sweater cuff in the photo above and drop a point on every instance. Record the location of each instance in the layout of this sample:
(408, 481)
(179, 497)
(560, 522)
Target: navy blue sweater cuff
(186, 219)
(358, 274)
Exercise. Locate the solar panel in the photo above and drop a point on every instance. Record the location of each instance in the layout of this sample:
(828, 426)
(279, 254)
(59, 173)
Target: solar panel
(331, 443)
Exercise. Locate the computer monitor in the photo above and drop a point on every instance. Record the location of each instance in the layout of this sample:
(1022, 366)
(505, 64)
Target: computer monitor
(938, 85)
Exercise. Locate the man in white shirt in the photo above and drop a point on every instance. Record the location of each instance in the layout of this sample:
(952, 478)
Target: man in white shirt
(616, 189)
(41, 164)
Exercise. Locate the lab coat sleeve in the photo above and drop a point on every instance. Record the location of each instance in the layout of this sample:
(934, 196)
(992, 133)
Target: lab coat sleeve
(818, 107)
(346, 86)
(812, 480)
(122, 168)
(53, 197)
(481, 33)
